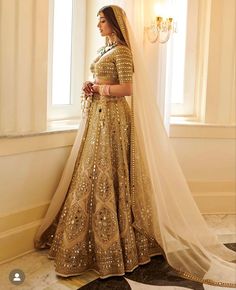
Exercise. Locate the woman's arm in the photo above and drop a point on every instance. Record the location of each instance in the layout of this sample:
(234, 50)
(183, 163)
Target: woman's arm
(120, 90)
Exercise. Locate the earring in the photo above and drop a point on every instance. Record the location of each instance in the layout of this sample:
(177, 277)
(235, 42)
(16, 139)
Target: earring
(113, 37)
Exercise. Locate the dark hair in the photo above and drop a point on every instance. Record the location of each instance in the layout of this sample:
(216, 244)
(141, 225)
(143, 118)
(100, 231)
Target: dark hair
(111, 19)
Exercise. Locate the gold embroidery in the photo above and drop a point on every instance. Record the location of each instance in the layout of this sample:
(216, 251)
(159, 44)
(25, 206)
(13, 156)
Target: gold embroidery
(95, 227)
(116, 65)
(204, 281)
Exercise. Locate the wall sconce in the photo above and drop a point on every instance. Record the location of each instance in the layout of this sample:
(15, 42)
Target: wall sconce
(161, 28)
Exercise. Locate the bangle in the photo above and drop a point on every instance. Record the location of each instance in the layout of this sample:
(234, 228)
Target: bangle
(107, 90)
(100, 90)
(104, 90)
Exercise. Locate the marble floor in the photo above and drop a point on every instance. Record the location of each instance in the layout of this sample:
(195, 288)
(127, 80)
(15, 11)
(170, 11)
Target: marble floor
(40, 275)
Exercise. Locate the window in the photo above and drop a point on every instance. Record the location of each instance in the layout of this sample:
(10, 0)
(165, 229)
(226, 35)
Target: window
(182, 56)
(66, 58)
(61, 56)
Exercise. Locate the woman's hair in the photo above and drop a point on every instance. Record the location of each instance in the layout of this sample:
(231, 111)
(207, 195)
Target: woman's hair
(111, 19)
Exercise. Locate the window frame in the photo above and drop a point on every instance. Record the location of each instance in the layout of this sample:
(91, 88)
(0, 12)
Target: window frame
(73, 110)
(188, 107)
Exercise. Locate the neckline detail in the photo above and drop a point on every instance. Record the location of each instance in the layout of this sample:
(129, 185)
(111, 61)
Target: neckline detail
(105, 49)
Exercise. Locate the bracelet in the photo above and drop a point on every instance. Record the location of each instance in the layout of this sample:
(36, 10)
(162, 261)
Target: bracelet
(107, 90)
(104, 90)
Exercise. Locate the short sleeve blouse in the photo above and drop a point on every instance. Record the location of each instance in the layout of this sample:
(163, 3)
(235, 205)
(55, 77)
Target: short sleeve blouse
(116, 65)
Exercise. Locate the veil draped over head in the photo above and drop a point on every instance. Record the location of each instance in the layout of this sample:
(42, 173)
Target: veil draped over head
(189, 246)
(187, 243)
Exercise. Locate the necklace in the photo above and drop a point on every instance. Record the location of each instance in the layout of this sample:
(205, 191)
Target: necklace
(105, 49)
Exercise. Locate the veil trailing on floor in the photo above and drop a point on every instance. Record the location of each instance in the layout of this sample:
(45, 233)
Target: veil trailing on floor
(189, 246)
(187, 243)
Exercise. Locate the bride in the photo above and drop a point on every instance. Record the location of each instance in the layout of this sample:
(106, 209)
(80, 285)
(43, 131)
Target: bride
(122, 197)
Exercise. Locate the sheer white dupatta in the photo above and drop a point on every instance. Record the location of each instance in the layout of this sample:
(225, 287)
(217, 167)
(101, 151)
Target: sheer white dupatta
(189, 246)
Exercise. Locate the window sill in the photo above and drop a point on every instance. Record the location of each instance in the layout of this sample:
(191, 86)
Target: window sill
(181, 127)
(63, 125)
(53, 127)
(58, 134)
(62, 134)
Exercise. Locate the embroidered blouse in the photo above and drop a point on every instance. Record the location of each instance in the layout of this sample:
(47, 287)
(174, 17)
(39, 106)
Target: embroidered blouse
(115, 65)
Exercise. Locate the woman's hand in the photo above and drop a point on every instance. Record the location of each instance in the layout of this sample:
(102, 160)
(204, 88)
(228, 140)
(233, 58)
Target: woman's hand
(87, 87)
(95, 88)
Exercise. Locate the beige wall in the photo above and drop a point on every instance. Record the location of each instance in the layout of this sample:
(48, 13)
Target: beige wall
(29, 179)
(30, 167)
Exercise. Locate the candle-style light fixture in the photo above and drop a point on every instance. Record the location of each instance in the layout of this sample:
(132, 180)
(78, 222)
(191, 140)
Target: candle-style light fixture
(162, 27)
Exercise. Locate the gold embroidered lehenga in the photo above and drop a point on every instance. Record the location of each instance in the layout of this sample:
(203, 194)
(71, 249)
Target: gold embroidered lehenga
(94, 227)
(122, 196)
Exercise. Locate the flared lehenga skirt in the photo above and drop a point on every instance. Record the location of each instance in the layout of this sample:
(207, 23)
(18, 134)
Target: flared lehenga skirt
(94, 229)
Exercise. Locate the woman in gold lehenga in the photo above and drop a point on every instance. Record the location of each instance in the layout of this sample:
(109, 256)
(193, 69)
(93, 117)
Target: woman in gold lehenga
(122, 197)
